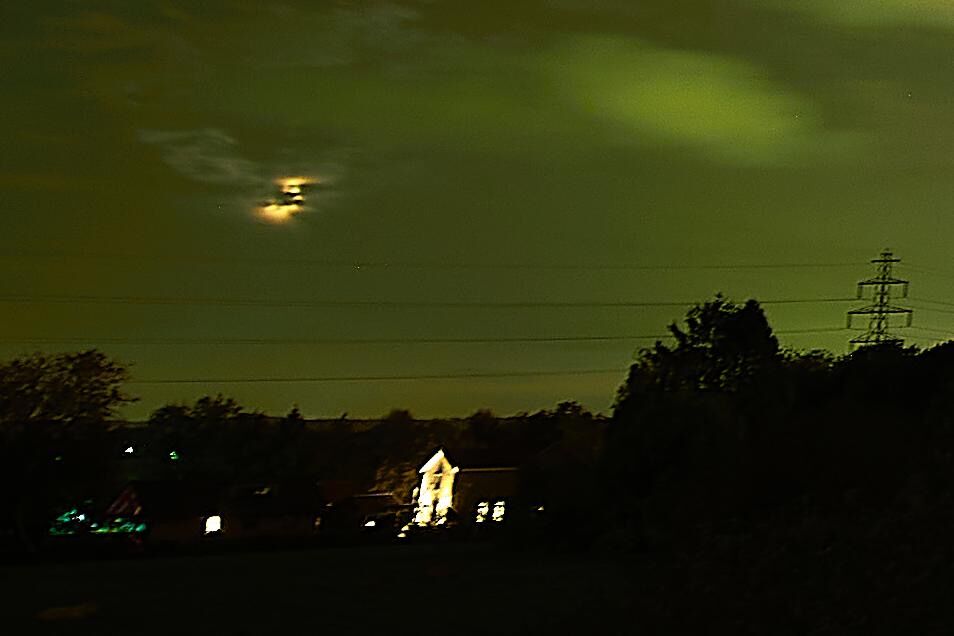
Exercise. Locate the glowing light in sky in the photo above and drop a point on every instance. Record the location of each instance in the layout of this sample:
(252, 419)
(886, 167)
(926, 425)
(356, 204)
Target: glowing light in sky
(289, 201)
(278, 213)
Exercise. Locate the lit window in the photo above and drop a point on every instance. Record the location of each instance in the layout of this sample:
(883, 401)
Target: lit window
(499, 511)
(129, 450)
(213, 524)
(483, 509)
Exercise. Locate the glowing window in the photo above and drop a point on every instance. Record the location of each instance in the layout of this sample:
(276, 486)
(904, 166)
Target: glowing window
(500, 508)
(213, 524)
(483, 509)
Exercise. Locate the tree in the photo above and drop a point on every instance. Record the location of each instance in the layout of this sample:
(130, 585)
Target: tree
(52, 408)
(723, 347)
(67, 388)
(684, 410)
(209, 435)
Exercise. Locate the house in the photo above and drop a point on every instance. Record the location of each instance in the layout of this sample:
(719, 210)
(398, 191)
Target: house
(475, 486)
(168, 512)
(184, 512)
(274, 511)
(372, 513)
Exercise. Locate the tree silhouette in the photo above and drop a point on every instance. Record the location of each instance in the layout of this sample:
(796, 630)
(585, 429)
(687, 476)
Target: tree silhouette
(68, 388)
(722, 348)
(53, 410)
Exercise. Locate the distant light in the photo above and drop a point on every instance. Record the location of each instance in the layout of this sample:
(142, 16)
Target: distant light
(213, 524)
(293, 184)
(370, 524)
(129, 450)
(278, 213)
(81, 517)
(402, 535)
(174, 456)
(539, 508)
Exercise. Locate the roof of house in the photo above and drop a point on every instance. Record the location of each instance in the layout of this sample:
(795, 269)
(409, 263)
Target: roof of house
(168, 499)
(467, 459)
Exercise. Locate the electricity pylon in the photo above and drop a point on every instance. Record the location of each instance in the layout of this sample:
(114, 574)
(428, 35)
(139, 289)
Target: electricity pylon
(881, 308)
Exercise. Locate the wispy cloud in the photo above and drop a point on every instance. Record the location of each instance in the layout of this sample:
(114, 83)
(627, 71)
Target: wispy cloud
(725, 107)
(207, 154)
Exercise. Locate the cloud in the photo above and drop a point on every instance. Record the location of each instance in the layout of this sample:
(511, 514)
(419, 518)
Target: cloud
(210, 155)
(207, 154)
(721, 106)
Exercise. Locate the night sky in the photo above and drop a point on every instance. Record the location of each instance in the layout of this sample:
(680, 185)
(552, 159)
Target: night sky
(462, 152)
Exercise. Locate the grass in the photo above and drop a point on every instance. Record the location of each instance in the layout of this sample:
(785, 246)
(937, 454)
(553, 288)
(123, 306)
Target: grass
(465, 589)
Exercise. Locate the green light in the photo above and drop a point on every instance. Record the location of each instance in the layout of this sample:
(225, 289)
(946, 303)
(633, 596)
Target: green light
(174, 456)
(67, 516)
(118, 526)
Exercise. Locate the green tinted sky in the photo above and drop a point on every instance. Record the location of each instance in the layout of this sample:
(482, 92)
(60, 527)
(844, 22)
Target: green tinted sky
(138, 137)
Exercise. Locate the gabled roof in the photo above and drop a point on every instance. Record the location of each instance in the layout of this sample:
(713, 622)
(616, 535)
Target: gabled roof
(169, 499)
(466, 459)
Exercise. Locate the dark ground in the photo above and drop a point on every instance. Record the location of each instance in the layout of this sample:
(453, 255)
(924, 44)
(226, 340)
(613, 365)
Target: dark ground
(387, 590)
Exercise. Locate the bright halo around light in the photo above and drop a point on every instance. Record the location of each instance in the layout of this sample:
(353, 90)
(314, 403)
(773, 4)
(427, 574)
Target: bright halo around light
(287, 202)
(277, 212)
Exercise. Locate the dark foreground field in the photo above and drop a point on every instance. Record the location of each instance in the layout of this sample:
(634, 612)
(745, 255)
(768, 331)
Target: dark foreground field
(386, 590)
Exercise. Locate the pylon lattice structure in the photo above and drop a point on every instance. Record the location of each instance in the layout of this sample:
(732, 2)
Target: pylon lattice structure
(881, 309)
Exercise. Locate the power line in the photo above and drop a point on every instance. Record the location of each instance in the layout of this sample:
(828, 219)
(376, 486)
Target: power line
(936, 302)
(928, 270)
(944, 332)
(380, 378)
(252, 302)
(388, 264)
(367, 341)
(934, 309)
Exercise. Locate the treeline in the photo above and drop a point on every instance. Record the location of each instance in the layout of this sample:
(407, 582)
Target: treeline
(715, 435)
(726, 426)
(777, 491)
(61, 447)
